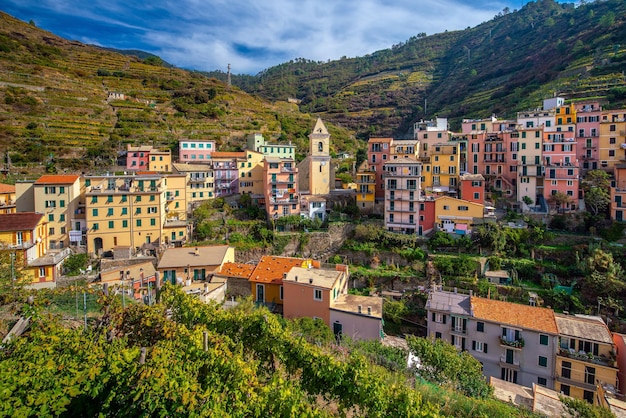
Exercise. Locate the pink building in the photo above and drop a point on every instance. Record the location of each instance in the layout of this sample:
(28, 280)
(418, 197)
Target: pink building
(378, 152)
(282, 197)
(588, 133)
(138, 158)
(402, 179)
(561, 169)
(195, 150)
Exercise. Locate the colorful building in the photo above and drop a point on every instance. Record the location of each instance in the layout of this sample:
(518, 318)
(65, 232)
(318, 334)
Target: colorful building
(226, 172)
(530, 171)
(378, 153)
(618, 194)
(251, 174)
(402, 194)
(135, 210)
(457, 216)
(319, 160)
(195, 150)
(7, 198)
(256, 142)
(472, 188)
(185, 265)
(561, 170)
(160, 161)
(440, 176)
(24, 236)
(365, 187)
(200, 182)
(281, 187)
(266, 281)
(587, 137)
(612, 140)
(138, 158)
(585, 358)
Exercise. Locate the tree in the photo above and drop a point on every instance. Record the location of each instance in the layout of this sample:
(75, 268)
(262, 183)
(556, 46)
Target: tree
(596, 187)
(441, 363)
(394, 310)
(12, 279)
(559, 200)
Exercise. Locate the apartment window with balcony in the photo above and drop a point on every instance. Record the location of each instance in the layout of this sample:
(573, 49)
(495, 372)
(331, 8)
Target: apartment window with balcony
(458, 324)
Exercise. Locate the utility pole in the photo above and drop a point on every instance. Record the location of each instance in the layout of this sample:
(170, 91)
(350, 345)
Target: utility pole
(229, 82)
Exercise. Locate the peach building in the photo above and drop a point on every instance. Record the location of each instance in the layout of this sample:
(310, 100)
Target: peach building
(366, 187)
(618, 194)
(561, 169)
(7, 198)
(281, 187)
(612, 141)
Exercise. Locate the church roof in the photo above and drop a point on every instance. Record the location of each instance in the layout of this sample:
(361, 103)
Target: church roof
(319, 128)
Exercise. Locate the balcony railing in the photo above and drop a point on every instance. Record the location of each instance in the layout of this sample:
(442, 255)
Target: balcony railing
(514, 343)
(588, 357)
(512, 365)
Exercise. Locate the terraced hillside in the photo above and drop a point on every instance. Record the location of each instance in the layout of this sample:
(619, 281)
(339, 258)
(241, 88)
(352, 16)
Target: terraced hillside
(79, 105)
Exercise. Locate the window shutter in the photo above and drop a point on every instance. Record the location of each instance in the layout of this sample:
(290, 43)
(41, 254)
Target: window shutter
(453, 321)
(463, 344)
(464, 324)
(433, 317)
(444, 319)
(473, 345)
(485, 348)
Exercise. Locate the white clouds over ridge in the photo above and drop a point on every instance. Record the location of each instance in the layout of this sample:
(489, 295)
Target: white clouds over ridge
(251, 36)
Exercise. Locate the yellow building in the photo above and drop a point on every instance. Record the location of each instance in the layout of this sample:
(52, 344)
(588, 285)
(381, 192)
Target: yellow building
(200, 185)
(565, 118)
(160, 161)
(586, 357)
(612, 141)
(440, 173)
(24, 236)
(365, 187)
(251, 174)
(133, 210)
(319, 160)
(7, 198)
(457, 215)
(57, 197)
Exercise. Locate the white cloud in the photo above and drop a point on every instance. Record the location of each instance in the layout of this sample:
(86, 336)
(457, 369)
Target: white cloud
(209, 34)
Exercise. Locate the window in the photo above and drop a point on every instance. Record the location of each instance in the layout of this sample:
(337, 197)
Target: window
(542, 381)
(94, 212)
(110, 199)
(317, 294)
(124, 223)
(51, 204)
(124, 211)
(138, 222)
(51, 231)
(42, 272)
(110, 212)
(281, 293)
(463, 208)
(152, 221)
(95, 227)
(62, 217)
(111, 224)
(480, 326)
(152, 209)
(476, 195)
(50, 190)
(51, 217)
(62, 203)
(543, 361)
(479, 346)
(566, 369)
(439, 318)
(590, 375)
(543, 339)
(565, 390)
(438, 335)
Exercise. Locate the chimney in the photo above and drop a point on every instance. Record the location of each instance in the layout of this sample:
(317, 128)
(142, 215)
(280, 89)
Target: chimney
(369, 310)
(296, 278)
(206, 288)
(360, 308)
(197, 252)
(471, 292)
(311, 281)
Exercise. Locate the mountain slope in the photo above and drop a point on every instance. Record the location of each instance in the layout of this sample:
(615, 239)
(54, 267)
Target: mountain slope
(507, 64)
(80, 105)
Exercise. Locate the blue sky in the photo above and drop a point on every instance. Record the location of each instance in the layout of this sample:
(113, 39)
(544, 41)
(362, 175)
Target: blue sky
(251, 35)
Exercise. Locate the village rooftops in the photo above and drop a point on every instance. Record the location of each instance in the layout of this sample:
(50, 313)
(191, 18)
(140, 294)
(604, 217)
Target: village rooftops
(223, 154)
(375, 140)
(402, 160)
(237, 270)
(313, 277)
(272, 159)
(186, 167)
(360, 305)
(193, 256)
(57, 179)
(472, 177)
(134, 272)
(7, 188)
(271, 269)
(455, 303)
(585, 327)
(514, 314)
(21, 221)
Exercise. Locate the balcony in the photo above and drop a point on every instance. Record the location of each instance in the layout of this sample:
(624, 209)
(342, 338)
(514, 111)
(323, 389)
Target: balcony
(512, 343)
(287, 170)
(588, 357)
(576, 383)
(511, 363)
(197, 179)
(21, 246)
(457, 330)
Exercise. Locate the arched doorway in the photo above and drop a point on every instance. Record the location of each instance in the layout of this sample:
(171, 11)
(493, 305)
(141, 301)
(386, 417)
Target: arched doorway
(97, 246)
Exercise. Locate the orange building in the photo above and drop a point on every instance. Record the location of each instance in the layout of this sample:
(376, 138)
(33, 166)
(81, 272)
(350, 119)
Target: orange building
(7, 198)
(266, 281)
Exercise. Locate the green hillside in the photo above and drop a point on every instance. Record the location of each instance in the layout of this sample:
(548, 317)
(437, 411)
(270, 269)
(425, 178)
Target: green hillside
(54, 101)
(509, 63)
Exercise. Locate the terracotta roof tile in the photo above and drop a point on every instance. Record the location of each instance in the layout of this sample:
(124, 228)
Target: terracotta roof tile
(7, 188)
(237, 270)
(271, 269)
(21, 221)
(57, 179)
(523, 316)
(241, 154)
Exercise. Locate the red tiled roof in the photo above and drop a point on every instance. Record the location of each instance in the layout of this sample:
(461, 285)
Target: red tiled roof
(237, 270)
(508, 313)
(271, 269)
(22, 221)
(57, 179)
(241, 154)
(7, 188)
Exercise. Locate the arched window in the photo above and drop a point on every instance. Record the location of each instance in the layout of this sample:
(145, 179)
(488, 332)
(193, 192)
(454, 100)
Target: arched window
(320, 147)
